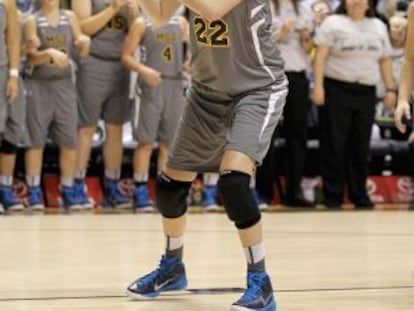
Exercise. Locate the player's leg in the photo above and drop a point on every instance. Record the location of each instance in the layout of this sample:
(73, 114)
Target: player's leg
(192, 149)
(210, 191)
(115, 112)
(33, 166)
(248, 141)
(64, 133)
(13, 135)
(172, 187)
(142, 157)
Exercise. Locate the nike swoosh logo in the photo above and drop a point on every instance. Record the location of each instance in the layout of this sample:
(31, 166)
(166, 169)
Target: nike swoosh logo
(158, 286)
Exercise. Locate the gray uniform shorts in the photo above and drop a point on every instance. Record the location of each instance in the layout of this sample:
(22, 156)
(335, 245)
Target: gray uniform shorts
(213, 123)
(12, 115)
(157, 111)
(51, 112)
(103, 88)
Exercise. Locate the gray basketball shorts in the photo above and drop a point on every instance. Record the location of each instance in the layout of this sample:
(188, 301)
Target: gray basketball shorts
(51, 112)
(157, 111)
(12, 115)
(103, 88)
(212, 124)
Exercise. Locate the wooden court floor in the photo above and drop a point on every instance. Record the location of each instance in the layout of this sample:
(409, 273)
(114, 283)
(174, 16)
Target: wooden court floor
(319, 261)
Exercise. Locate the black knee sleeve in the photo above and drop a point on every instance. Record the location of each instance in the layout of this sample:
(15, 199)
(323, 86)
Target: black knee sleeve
(237, 199)
(171, 196)
(8, 148)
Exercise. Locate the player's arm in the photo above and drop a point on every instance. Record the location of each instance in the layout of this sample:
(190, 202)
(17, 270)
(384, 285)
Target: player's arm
(318, 94)
(47, 56)
(159, 11)
(132, 41)
(81, 41)
(403, 106)
(387, 76)
(12, 35)
(91, 24)
(13, 49)
(210, 9)
(185, 37)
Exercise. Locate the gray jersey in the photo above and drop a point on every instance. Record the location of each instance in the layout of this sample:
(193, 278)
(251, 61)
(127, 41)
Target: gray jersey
(107, 43)
(238, 52)
(162, 49)
(4, 60)
(59, 38)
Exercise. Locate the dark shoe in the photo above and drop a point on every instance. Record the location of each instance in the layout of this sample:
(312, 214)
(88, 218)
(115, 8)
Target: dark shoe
(258, 295)
(169, 276)
(364, 203)
(332, 204)
(298, 202)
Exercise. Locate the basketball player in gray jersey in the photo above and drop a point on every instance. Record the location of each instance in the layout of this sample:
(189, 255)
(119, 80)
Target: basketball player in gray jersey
(9, 91)
(234, 103)
(159, 102)
(103, 86)
(51, 98)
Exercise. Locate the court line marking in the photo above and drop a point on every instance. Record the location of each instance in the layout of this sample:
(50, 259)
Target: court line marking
(211, 291)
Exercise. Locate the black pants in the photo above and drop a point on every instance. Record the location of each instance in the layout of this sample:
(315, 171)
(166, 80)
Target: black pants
(295, 131)
(345, 122)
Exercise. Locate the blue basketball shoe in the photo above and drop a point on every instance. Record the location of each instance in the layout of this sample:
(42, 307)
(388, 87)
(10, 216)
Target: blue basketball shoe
(169, 276)
(114, 197)
(142, 200)
(258, 295)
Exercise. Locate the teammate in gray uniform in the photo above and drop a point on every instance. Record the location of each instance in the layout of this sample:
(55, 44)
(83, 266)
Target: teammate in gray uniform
(159, 101)
(103, 86)
(51, 96)
(234, 103)
(9, 91)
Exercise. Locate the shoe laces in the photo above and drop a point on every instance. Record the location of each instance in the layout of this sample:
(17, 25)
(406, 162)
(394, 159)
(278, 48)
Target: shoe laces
(35, 194)
(80, 189)
(162, 269)
(254, 289)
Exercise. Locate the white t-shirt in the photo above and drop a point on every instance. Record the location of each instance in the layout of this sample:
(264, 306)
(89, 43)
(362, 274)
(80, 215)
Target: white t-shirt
(295, 58)
(356, 47)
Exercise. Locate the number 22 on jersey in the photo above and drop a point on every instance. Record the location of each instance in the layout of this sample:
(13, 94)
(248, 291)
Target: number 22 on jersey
(211, 33)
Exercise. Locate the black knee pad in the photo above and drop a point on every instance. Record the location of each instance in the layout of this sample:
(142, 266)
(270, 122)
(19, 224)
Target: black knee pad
(8, 148)
(171, 196)
(237, 199)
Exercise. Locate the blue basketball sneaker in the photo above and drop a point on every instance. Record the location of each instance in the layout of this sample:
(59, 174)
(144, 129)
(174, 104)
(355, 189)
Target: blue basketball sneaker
(114, 197)
(70, 199)
(35, 199)
(169, 276)
(84, 200)
(258, 295)
(142, 201)
(209, 198)
(9, 200)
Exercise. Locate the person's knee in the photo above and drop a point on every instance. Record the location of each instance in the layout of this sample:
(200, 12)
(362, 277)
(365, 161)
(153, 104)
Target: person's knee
(171, 196)
(238, 200)
(7, 147)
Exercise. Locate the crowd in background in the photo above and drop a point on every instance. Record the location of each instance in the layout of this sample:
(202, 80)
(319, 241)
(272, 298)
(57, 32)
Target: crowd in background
(342, 60)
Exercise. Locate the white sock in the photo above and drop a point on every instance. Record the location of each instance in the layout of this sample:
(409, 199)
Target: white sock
(33, 181)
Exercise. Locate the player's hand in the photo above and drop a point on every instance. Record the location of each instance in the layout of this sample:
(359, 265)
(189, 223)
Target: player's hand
(289, 25)
(402, 112)
(58, 58)
(82, 44)
(12, 89)
(390, 98)
(151, 76)
(119, 4)
(33, 43)
(318, 96)
(132, 7)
